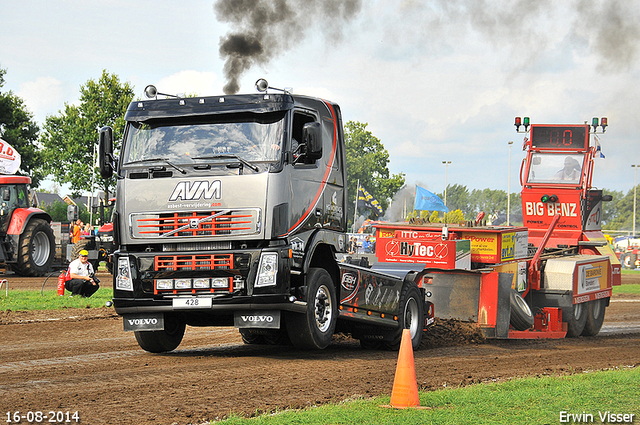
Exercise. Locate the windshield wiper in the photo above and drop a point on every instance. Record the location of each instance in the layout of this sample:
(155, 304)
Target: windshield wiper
(231, 155)
(166, 161)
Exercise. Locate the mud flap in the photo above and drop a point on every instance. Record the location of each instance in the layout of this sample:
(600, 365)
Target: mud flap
(494, 306)
(260, 319)
(143, 322)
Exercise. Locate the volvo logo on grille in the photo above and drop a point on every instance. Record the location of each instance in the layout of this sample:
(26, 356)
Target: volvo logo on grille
(189, 191)
(194, 223)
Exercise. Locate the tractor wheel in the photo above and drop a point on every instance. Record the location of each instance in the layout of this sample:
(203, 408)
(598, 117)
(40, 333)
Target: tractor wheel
(314, 328)
(521, 317)
(36, 249)
(625, 260)
(576, 318)
(162, 341)
(595, 317)
(77, 247)
(411, 316)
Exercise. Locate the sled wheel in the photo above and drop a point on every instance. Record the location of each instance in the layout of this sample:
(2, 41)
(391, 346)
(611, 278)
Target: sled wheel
(576, 318)
(36, 249)
(410, 316)
(521, 317)
(314, 328)
(595, 317)
(164, 340)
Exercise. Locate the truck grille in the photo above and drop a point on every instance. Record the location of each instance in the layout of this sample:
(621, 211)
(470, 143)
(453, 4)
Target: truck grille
(198, 285)
(193, 262)
(196, 224)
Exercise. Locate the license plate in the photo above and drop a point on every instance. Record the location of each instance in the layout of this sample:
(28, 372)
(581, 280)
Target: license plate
(192, 302)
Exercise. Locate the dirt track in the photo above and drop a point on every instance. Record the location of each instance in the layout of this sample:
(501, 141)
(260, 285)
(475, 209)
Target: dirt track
(81, 360)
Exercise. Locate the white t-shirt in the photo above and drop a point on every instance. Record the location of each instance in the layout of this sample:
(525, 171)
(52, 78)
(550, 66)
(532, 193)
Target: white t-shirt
(80, 269)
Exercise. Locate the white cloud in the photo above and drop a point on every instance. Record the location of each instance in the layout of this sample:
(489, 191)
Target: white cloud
(42, 96)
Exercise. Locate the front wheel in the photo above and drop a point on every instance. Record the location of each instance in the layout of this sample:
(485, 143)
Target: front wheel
(595, 317)
(36, 250)
(314, 328)
(164, 340)
(410, 316)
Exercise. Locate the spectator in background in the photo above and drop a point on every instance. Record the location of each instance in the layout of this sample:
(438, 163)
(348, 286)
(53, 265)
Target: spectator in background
(366, 245)
(76, 231)
(83, 280)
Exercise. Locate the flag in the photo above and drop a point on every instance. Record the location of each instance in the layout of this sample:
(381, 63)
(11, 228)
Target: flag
(366, 200)
(9, 158)
(427, 201)
(599, 148)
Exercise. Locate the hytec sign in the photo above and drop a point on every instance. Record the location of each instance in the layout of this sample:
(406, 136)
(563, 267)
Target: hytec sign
(423, 247)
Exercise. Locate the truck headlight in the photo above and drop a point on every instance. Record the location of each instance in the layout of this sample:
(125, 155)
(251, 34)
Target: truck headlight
(123, 280)
(268, 269)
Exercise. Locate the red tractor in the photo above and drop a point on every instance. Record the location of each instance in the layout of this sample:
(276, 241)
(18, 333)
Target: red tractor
(27, 243)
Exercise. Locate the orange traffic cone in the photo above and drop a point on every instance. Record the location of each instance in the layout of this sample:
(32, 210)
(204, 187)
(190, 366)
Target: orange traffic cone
(405, 385)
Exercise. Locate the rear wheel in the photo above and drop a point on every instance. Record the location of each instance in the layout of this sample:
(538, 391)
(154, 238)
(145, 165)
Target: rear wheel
(411, 316)
(162, 341)
(314, 328)
(595, 317)
(36, 249)
(576, 318)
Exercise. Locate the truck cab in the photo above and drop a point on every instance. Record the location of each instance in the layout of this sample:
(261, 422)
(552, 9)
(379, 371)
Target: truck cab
(227, 207)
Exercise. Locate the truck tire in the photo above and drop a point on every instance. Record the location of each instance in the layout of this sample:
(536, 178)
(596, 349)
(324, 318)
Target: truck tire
(576, 318)
(249, 337)
(162, 341)
(410, 316)
(595, 317)
(314, 329)
(36, 249)
(521, 317)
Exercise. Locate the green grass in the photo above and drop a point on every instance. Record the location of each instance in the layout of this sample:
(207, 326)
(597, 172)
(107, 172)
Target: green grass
(522, 401)
(25, 299)
(631, 289)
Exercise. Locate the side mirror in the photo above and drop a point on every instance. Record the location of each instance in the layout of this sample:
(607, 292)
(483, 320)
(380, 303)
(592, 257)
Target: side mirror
(105, 152)
(72, 212)
(312, 139)
(607, 198)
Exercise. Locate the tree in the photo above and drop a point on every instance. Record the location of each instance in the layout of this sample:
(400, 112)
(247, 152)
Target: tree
(367, 162)
(69, 139)
(20, 131)
(457, 198)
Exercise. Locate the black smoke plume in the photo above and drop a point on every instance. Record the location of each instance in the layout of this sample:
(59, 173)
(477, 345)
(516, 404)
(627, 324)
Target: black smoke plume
(262, 29)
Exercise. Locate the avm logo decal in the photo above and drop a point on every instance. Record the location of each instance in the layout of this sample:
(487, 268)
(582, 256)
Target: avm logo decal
(189, 191)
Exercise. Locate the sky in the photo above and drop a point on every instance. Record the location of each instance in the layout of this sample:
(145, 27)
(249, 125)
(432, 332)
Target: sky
(436, 80)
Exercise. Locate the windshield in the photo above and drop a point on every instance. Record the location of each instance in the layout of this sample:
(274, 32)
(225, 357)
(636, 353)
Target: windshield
(555, 168)
(249, 136)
